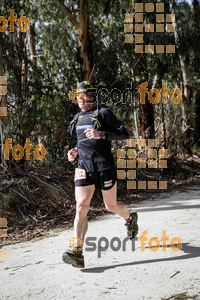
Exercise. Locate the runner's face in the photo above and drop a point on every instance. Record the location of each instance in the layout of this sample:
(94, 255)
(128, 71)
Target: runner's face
(85, 102)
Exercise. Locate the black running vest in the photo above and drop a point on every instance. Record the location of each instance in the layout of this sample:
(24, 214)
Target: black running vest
(95, 154)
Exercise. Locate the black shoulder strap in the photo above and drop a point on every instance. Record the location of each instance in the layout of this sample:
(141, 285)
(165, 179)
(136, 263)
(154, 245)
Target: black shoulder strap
(93, 114)
(73, 124)
(75, 119)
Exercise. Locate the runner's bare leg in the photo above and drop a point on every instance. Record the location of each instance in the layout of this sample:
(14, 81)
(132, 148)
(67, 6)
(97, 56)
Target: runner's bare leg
(84, 228)
(111, 203)
(83, 195)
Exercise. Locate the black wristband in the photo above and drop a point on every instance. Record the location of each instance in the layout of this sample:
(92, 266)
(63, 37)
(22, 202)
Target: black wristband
(102, 134)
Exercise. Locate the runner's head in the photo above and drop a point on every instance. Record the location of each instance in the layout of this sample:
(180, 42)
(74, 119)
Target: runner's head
(85, 95)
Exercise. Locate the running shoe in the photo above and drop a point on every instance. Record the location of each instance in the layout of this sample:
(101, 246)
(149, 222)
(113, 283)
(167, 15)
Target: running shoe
(132, 227)
(74, 258)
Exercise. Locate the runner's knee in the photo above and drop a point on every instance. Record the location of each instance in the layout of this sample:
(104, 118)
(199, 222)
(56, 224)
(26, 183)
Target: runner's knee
(82, 206)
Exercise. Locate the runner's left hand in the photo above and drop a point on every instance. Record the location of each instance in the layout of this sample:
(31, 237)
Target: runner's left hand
(92, 133)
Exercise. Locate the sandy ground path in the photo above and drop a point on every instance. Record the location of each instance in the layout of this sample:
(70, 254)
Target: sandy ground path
(34, 270)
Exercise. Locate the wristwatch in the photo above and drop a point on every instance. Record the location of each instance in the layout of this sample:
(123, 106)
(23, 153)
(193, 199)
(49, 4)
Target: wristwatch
(102, 134)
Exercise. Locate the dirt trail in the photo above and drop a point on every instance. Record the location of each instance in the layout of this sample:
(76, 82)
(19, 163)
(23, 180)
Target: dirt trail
(34, 270)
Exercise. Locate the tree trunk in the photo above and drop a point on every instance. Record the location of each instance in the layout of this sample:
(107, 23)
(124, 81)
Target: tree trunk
(23, 91)
(147, 120)
(84, 42)
(3, 120)
(164, 139)
(197, 128)
(32, 45)
(181, 59)
(196, 16)
(146, 111)
(186, 93)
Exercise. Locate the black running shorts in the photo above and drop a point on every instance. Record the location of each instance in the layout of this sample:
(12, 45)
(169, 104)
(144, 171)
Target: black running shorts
(104, 180)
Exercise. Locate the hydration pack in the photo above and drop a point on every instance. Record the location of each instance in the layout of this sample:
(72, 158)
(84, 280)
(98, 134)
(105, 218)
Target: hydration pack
(94, 116)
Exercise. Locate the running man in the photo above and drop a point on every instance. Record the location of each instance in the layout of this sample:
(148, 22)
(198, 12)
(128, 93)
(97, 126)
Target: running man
(94, 127)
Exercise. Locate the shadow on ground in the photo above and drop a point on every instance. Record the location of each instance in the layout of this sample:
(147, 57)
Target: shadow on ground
(189, 252)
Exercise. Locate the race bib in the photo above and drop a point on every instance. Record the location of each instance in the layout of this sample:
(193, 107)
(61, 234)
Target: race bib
(79, 174)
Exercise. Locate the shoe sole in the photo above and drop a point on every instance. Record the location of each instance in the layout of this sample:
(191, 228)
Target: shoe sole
(69, 260)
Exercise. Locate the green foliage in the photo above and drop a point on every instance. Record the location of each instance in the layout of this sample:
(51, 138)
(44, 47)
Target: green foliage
(9, 200)
(195, 148)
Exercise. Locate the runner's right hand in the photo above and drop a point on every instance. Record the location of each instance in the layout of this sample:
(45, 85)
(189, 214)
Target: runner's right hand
(72, 154)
